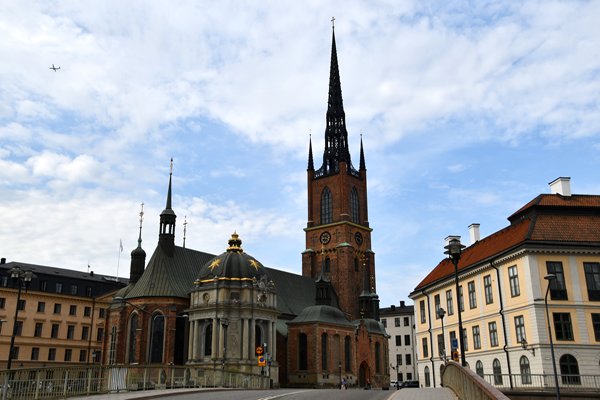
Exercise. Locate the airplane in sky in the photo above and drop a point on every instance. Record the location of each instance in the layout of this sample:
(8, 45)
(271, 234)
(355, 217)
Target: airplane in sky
(54, 68)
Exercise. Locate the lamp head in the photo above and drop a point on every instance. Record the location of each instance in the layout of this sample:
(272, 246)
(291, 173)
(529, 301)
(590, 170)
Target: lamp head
(454, 247)
(441, 313)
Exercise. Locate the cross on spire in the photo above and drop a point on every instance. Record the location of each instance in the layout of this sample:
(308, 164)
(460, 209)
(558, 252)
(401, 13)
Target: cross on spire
(333, 22)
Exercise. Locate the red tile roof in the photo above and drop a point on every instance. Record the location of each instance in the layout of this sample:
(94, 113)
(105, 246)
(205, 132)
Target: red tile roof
(556, 219)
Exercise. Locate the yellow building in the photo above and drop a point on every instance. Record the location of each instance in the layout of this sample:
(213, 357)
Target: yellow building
(503, 288)
(61, 316)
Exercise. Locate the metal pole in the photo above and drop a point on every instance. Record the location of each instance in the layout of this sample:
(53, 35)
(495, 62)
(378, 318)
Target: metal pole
(463, 362)
(14, 331)
(551, 342)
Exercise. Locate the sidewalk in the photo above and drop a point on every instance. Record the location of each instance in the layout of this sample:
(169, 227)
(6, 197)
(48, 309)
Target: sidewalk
(423, 394)
(146, 394)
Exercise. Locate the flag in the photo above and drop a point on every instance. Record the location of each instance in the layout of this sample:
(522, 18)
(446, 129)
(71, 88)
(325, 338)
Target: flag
(121, 245)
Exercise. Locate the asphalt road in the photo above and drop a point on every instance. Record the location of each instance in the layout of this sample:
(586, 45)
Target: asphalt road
(288, 394)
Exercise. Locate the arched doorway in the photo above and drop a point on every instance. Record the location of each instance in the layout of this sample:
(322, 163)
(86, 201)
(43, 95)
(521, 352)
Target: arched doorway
(364, 374)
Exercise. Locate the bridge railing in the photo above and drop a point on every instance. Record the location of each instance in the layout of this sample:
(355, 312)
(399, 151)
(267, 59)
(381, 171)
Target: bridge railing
(63, 382)
(541, 382)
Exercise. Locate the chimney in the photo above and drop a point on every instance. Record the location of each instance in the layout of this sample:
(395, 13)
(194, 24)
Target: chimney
(561, 186)
(401, 303)
(449, 238)
(3, 260)
(392, 307)
(474, 232)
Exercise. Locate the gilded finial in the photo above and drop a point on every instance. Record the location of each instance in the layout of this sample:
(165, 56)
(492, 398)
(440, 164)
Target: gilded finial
(333, 22)
(171, 166)
(235, 243)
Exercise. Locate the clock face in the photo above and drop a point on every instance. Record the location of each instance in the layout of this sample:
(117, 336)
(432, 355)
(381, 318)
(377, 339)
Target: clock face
(358, 237)
(325, 237)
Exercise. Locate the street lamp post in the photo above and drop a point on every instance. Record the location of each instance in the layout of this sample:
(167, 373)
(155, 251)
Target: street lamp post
(340, 367)
(550, 278)
(454, 250)
(20, 278)
(441, 314)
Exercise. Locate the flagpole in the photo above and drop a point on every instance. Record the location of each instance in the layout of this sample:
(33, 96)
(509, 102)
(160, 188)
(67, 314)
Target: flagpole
(119, 258)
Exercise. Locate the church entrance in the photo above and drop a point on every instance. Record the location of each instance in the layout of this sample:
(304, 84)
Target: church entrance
(364, 375)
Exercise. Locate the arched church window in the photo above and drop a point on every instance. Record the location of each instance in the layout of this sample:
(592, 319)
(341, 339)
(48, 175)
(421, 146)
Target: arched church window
(427, 377)
(208, 333)
(377, 358)
(327, 267)
(324, 352)
(112, 350)
(302, 352)
(132, 339)
(326, 207)
(354, 206)
(356, 264)
(347, 354)
(157, 338)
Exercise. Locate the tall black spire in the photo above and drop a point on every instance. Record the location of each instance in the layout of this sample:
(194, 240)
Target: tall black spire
(336, 136)
(166, 236)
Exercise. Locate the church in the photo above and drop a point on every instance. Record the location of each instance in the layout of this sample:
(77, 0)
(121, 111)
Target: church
(230, 312)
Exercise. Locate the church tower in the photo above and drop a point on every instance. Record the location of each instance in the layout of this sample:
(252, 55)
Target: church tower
(338, 237)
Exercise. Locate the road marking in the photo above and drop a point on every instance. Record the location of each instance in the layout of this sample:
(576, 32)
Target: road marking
(282, 395)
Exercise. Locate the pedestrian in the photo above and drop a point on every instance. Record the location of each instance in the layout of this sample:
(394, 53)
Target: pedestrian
(344, 383)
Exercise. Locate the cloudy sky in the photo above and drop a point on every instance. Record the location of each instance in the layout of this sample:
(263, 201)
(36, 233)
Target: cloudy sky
(467, 110)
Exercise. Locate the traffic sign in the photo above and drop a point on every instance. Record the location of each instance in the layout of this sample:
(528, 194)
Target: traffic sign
(259, 350)
(262, 362)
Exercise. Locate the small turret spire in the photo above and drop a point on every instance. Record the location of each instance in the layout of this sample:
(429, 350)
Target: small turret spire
(166, 237)
(362, 166)
(138, 255)
(311, 166)
(168, 206)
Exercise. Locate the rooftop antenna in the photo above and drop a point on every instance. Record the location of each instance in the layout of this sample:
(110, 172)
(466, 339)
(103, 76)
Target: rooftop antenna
(141, 220)
(184, 229)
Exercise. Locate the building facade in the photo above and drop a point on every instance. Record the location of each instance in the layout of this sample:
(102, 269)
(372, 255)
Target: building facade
(61, 315)
(503, 287)
(399, 323)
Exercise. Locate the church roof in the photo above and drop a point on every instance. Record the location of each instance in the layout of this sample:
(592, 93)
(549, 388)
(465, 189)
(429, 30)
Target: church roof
(322, 314)
(373, 326)
(167, 276)
(174, 277)
(232, 265)
(294, 292)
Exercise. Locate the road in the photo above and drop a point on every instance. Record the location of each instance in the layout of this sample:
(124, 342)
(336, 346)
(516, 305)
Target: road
(313, 394)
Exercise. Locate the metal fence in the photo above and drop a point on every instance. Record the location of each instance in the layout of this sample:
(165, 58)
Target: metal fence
(540, 382)
(54, 383)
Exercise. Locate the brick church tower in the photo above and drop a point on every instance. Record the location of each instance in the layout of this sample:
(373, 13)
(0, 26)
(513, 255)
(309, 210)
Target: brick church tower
(338, 237)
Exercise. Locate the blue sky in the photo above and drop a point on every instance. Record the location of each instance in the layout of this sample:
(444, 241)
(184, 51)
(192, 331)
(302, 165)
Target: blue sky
(468, 110)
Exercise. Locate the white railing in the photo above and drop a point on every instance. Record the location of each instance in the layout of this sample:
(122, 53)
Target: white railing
(539, 382)
(63, 382)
